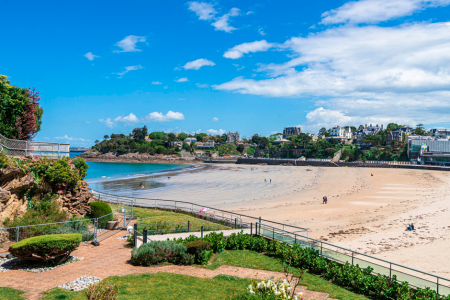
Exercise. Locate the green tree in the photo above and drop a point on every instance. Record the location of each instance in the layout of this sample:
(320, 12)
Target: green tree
(324, 131)
(182, 136)
(106, 136)
(420, 130)
(20, 114)
(171, 137)
(361, 127)
(392, 127)
(97, 141)
(240, 148)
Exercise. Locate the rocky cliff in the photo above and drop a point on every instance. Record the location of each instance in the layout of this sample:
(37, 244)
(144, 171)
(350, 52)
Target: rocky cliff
(17, 181)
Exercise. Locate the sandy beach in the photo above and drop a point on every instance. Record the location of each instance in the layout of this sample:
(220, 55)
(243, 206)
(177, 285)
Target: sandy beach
(364, 212)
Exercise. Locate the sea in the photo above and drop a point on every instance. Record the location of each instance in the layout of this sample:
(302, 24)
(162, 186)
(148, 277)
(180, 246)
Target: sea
(125, 179)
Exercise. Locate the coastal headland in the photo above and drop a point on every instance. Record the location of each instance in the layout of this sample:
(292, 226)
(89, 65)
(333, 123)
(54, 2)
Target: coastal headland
(368, 208)
(138, 158)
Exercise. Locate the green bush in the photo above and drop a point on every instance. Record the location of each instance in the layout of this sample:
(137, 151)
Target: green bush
(157, 252)
(100, 209)
(77, 226)
(42, 212)
(200, 250)
(81, 165)
(102, 291)
(62, 173)
(351, 277)
(52, 248)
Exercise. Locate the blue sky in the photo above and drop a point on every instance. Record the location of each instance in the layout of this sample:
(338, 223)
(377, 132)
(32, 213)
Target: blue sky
(106, 67)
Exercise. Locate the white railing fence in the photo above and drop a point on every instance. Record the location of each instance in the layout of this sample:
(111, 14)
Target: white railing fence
(13, 147)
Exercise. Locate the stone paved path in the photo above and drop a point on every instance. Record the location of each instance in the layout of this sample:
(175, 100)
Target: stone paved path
(111, 258)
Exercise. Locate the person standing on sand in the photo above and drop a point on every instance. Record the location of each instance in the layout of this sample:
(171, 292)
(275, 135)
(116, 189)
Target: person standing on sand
(325, 200)
(270, 180)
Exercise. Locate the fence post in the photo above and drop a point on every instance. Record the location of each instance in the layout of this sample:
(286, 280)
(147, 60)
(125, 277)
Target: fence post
(17, 234)
(437, 289)
(189, 226)
(251, 228)
(390, 270)
(321, 248)
(273, 233)
(144, 236)
(235, 223)
(352, 257)
(135, 235)
(202, 231)
(95, 229)
(295, 239)
(155, 204)
(124, 217)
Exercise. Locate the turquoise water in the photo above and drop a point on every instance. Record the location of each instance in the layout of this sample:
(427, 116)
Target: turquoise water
(126, 178)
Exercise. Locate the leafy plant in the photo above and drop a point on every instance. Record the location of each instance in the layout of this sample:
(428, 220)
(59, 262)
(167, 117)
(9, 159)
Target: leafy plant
(157, 252)
(201, 251)
(54, 248)
(100, 209)
(102, 291)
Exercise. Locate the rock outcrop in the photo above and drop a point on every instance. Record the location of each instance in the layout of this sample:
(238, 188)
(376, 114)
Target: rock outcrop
(15, 182)
(138, 157)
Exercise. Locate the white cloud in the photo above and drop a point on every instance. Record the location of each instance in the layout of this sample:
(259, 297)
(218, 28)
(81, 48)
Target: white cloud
(250, 12)
(67, 138)
(160, 117)
(128, 69)
(216, 132)
(215, 119)
(128, 44)
(131, 118)
(372, 11)
(202, 85)
(204, 11)
(363, 73)
(197, 64)
(222, 22)
(108, 122)
(156, 82)
(90, 56)
(239, 50)
(261, 32)
(88, 122)
(184, 79)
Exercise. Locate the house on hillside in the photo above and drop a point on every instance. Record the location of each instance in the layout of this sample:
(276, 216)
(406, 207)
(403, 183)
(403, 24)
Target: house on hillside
(232, 137)
(396, 135)
(367, 130)
(291, 131)
(190, 140)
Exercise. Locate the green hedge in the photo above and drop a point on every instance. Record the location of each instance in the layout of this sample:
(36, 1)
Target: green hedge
(201, 251)
(157, 252)
(351, 277)
(46, 247)
(100, 209)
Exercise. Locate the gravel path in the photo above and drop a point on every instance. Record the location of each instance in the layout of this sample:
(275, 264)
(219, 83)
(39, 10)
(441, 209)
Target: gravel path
(34, 267)
(80, 283)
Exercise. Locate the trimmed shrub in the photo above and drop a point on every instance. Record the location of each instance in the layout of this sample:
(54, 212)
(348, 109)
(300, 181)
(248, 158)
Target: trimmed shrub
(200, 250)
(157, 252)
(100, 209)
(102, 291)
(196, 247)
(54, 248)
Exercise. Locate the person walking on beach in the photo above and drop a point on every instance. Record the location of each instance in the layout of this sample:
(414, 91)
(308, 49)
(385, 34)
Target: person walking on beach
(270, 180)
(325, 200)
(141, 186)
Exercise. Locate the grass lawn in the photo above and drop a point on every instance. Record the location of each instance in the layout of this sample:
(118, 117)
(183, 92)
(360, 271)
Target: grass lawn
(7, 293)
(250, 259)
(166, 219)
(164, 286)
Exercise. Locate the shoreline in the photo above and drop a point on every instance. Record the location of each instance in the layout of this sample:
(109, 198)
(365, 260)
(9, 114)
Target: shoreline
(138, 158)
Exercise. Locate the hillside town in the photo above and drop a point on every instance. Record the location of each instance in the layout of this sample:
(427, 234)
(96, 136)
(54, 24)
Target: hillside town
(347, 143)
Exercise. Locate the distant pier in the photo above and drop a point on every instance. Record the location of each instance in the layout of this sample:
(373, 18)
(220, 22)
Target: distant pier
(79, 149)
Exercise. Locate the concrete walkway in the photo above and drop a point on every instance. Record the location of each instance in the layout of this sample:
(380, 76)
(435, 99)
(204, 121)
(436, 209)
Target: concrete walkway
(164, 237)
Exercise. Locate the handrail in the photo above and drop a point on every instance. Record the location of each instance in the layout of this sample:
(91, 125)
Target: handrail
(191, 203)
(13, 147)
(353, 251)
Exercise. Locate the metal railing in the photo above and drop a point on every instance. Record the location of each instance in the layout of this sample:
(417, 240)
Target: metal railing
(30, 148)
(92, 230)
(215, 215)
(415, 278)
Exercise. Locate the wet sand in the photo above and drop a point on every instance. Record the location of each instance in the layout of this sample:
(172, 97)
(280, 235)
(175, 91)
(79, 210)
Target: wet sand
(366, 213)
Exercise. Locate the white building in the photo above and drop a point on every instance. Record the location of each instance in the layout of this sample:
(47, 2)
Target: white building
(341, 133)
(190, 140)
